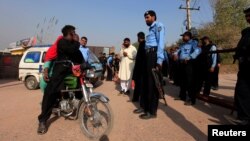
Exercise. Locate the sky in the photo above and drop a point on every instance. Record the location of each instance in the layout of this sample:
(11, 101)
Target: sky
(104, 22)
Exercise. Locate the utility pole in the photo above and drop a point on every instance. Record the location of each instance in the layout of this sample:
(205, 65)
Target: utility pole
(188, 10)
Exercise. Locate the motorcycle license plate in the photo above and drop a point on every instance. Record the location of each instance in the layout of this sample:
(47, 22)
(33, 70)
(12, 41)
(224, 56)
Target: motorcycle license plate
(89, 85)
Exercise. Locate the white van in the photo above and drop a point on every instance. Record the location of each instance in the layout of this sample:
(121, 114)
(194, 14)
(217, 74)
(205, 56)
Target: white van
(31, 66)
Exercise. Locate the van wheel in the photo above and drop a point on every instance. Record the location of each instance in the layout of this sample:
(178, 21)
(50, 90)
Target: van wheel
(31, 83)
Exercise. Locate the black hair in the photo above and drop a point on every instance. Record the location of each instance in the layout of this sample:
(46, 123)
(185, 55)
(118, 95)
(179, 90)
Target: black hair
(85, 38)
(77, 36)
(246, 10)
(141, 35)
(67, 29)
(126, 39)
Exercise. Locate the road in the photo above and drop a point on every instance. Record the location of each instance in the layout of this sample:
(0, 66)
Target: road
(20, 107)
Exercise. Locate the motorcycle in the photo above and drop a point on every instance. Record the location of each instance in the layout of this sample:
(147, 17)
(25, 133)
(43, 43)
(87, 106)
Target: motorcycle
(80, 102)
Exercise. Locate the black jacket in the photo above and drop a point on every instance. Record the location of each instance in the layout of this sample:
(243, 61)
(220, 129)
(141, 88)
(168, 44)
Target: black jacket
(69, 50)
(243, 47)
(243, 52)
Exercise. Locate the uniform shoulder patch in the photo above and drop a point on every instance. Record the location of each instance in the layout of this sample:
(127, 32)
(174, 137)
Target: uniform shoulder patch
(159, 28)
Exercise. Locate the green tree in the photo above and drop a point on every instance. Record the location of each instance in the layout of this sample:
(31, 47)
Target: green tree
(229, 13)
(229, 20)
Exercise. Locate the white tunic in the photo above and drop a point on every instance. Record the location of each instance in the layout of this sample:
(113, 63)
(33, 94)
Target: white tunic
(127, 63)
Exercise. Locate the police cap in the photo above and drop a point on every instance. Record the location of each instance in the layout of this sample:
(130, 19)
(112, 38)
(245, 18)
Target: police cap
(150, 12)
(187, 33)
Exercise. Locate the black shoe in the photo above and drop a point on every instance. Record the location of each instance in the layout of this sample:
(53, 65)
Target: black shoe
(138, 111)
(122, 92)
(206, 93)
(179, 99)
(214, 88)
(241, 122)
(189, 103)
(147, 116)
(42, 129)
(234, 121)
(127, 92)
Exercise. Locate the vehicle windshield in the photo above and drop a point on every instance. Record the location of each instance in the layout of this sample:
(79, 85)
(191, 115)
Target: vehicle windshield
(93, 58)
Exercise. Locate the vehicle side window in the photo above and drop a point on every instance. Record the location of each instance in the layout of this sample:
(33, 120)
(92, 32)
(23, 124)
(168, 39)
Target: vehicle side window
(32, 57)
(43, 58)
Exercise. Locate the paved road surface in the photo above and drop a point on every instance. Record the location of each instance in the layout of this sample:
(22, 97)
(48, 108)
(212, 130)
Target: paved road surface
(19, 108)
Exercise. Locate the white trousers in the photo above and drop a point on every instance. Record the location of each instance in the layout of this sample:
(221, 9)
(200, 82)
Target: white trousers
(125, 85)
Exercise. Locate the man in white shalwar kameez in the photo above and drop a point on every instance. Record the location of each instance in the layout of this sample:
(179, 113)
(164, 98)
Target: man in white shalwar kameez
(127, 54)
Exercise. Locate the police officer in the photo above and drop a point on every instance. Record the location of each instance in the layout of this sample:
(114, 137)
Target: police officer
(103, 60)
(215, 78)
(210, 61)
(186, 54)
(110, 67)
(154, 48)
(242, 89)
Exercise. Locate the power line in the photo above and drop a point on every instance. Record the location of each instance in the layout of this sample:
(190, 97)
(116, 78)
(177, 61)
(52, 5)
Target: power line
(194, 3)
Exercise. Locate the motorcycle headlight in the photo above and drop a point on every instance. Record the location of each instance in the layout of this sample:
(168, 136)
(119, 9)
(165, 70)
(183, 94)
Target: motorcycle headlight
(90, 73)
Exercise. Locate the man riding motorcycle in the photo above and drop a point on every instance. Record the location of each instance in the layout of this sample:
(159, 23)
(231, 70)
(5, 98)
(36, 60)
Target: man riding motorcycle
(67, 49)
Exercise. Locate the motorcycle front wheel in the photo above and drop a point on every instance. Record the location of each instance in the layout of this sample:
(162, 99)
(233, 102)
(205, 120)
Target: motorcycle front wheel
(96, 119)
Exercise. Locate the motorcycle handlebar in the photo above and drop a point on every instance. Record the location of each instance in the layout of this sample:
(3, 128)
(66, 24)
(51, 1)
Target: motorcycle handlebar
(83, 66)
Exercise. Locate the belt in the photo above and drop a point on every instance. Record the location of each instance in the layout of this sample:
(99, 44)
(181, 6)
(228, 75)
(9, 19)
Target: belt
(152, 49)
(64, 61)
